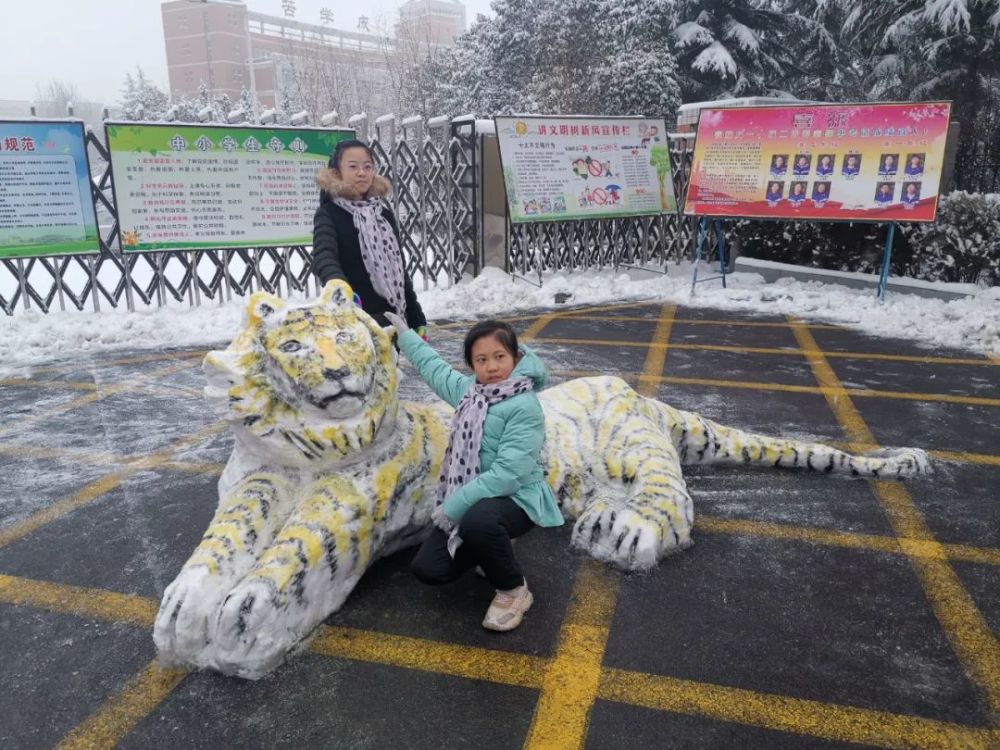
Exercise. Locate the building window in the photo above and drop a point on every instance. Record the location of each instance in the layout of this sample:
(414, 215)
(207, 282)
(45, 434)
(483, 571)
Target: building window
(237, 76)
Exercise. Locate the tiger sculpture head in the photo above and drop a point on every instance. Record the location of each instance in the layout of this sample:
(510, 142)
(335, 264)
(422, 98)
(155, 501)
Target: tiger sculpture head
(311, 384)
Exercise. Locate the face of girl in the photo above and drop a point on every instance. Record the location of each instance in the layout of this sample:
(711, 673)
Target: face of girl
(357, 169)
(884, 189)
(779, 161)
(491, 360)
(826, 161)
(915, 161)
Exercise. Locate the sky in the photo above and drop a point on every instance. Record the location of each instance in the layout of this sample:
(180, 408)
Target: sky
(93, 44)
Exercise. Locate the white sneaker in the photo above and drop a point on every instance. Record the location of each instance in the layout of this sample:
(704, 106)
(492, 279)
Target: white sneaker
(508, 608)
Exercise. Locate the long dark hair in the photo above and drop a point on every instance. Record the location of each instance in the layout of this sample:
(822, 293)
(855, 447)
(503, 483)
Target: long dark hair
(338, 154)
(504, 333)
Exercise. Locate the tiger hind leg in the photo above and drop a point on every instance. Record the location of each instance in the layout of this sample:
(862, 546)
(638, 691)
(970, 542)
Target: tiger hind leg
(641, 510)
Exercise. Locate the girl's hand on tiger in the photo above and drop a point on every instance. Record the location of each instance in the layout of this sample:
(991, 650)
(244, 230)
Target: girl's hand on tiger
(441, 520)
(397, 322)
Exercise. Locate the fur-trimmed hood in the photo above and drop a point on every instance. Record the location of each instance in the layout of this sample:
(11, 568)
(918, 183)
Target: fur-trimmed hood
(329, 181)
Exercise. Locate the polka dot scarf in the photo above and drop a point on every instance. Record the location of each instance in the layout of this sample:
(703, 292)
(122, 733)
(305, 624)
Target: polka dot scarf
(379, 250)
(461, 457)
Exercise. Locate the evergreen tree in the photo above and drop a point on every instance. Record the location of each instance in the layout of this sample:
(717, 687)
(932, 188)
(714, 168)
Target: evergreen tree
(936, 49)
(142, 99)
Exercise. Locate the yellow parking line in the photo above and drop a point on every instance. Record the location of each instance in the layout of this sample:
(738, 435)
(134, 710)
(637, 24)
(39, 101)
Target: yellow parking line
(571, 678)
(70, 385)
(850, 539)
(658, 344)
(472, 663)
(101, 486)
(76, 455)
(656, 355)
(591, 610)
(782, 713)
(968, 458)
(535, 328)
(101, 393)
(558, 314)
(95, 603)
(120, 713)
(132, 360)
(970, 636)
(89, 492)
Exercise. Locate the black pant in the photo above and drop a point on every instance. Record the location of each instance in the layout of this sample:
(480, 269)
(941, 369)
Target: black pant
(486, 530)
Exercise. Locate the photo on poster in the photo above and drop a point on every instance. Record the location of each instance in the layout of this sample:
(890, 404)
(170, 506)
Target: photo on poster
(775, 192)
(914, 165)
(885, 193)
(852, 165)
(888, 164)
(797, 193)
(824, 165)
(911, 194)
(820, 193)
(802, 164)
(779, 165)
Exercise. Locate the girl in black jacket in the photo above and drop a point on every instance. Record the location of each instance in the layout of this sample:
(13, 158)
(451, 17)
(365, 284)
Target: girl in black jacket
(355, 237)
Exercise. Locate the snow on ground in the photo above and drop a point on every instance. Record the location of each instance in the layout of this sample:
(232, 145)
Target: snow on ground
(30, 339)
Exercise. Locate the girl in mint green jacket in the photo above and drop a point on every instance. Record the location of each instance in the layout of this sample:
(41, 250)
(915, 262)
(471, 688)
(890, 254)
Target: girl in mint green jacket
(492, 488)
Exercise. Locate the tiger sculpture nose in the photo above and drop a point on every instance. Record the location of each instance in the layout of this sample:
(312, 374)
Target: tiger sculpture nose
(337, 374)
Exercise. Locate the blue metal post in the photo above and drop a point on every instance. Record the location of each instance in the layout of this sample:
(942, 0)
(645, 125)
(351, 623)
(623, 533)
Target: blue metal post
(884, 277)
(720, 240)
(702, 231)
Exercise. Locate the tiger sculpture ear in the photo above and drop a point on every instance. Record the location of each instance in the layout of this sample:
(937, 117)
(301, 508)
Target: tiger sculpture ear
(262, 306)
(336, 293)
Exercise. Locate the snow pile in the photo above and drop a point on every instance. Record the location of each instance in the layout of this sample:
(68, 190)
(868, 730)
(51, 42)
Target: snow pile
(32, 339)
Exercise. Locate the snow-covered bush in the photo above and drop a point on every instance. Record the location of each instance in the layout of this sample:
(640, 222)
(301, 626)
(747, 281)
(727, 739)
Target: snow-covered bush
(964, 243)
(962, 246)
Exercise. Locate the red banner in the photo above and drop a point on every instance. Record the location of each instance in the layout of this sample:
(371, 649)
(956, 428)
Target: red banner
(834, 162)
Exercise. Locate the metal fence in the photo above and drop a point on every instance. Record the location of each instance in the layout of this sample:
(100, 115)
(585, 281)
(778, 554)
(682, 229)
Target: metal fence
(434, 166)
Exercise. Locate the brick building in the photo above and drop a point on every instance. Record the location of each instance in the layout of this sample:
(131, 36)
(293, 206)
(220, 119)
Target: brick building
(228, 47)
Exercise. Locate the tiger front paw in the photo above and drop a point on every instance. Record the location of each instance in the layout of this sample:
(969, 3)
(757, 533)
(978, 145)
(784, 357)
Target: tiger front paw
(183, 626)
(619, 536)
(251, 636)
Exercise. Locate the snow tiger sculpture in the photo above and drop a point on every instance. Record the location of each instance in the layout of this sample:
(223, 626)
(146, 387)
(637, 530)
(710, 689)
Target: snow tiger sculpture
(329, 472)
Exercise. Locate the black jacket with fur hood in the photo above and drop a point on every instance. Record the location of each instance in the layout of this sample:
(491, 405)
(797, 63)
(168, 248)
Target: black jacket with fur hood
(337, 248)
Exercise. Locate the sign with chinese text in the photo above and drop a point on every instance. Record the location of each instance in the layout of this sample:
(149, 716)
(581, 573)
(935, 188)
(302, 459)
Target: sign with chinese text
(192, 186)
(562, 168)
(46, 206)
(858, 162)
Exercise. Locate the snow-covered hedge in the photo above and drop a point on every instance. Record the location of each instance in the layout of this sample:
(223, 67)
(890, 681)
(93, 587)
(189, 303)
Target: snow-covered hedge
(962, 246)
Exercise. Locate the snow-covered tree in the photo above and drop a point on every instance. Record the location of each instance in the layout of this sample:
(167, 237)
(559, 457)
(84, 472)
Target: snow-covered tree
(567, 57)
(728, 48)
(142, 99)
(935, 49)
